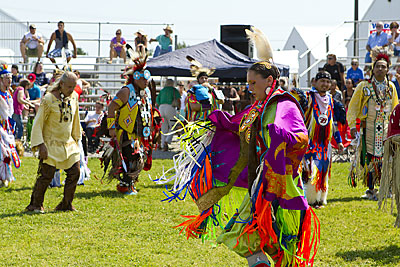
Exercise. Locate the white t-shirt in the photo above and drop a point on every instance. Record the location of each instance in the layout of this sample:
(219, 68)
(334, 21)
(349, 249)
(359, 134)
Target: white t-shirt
(397, 41)
(32, 44)
(90, 116)
(183, 98)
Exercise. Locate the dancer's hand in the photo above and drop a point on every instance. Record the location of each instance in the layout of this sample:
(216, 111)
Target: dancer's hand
(340, 147)
(43, 151)
(353, 133)
(111, 132)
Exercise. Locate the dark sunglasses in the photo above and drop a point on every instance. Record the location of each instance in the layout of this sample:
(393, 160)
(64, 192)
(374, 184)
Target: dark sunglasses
(118, 33)
(354, 64)
(329, 58)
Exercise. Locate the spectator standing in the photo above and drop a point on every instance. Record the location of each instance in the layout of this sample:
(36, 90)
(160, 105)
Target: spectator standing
(61, 38)
(34, 90)
(41, 78)
(93, 120)
(355, 73)
(16, 76)
(283, 83)
(32, 44)
(335, 92)
(348, 93)
(117, 47)
(141, 42)
(245, 97)
(20, 97)
(396, 80)
(231, 96)
(165, 42)
(394, 38)
(336, 70)
(165, 99)
(182, 91)
(378, 38)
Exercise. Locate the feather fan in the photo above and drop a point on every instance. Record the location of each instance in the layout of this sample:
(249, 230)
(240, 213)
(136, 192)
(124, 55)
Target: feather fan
(258, 38)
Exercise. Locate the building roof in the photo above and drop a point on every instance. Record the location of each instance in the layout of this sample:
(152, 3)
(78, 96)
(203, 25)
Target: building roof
(315, 39)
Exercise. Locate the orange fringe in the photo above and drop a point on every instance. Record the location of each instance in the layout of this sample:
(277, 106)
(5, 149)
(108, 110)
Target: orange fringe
(261, 222)
(202, 182)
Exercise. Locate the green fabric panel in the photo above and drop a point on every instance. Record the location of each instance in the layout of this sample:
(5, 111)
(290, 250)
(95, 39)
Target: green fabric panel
(268, 117)
(291, 186)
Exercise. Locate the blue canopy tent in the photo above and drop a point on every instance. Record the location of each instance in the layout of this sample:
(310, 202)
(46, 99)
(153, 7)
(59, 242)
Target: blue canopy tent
(229, 63)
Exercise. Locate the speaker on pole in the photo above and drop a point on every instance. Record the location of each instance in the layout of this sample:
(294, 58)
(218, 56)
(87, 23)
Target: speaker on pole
(234, 36)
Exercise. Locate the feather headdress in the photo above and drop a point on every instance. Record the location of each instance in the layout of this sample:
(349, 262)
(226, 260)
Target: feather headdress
(258, 38)
(197, 68)
(379, 52)
(139, 61)
(3, 67)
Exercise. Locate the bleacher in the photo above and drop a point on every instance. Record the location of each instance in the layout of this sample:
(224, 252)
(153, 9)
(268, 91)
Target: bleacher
(103, 77)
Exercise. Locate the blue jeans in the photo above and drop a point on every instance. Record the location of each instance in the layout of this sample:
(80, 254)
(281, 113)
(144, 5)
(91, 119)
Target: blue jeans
(159, 51)
(19, 127)
(368, 58)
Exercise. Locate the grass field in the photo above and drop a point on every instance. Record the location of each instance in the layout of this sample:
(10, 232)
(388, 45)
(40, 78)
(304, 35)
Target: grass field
(110, 229)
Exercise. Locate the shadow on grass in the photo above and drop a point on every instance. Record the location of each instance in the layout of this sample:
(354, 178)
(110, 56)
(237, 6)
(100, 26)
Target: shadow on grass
(107, 194)
(385, 255)
(345, 199)
(11, 189)
(154, 185)
(26, 213)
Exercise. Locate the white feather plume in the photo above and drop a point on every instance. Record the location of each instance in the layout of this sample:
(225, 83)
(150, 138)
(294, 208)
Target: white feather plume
(258, 38)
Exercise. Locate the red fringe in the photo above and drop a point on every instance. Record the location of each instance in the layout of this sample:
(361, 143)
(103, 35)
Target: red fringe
(306, 245)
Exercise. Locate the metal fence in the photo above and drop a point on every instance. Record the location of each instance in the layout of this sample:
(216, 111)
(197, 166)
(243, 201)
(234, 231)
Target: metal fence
(90, 36)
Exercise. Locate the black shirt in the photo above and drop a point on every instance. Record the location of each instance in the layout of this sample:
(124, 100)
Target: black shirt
(335, 72)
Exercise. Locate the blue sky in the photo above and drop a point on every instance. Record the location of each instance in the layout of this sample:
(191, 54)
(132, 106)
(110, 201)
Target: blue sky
(194, 21)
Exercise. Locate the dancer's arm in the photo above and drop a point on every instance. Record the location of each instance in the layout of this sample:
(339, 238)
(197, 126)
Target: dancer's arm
(119, 100)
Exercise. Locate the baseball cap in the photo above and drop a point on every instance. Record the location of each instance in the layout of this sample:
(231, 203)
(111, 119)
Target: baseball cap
(32, 77)
(33, 26)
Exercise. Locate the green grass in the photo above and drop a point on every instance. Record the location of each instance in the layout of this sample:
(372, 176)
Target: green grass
(110, 229)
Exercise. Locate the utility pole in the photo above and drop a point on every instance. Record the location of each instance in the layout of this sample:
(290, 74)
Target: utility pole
(355, 35)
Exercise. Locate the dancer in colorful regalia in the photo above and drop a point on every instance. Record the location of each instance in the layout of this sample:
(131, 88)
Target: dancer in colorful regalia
(133, 125)
(243, 172)
(202, 98)
(390, 182)
(370, 108)
(321, 127)
(8, 152)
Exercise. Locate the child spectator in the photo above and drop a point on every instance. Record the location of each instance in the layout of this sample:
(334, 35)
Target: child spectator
(20, 100)
(93, 119)
(117, 47)
(348, 93)
(16, 77)
(82, 86)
